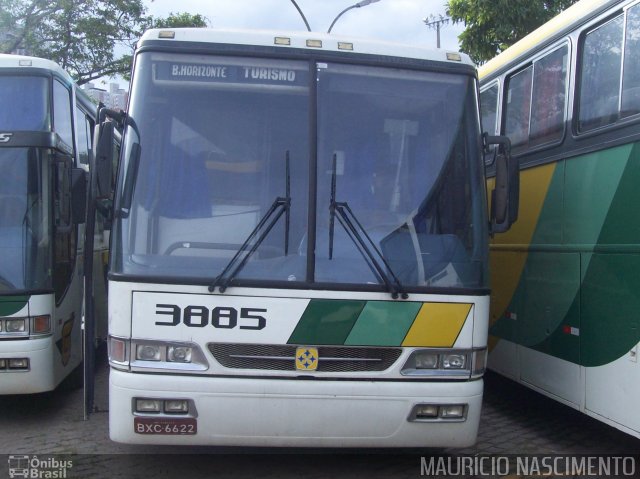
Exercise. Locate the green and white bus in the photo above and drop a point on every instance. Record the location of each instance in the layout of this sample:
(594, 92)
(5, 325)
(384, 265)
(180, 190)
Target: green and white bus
(300, 244)
(565, 286)
(45, 141)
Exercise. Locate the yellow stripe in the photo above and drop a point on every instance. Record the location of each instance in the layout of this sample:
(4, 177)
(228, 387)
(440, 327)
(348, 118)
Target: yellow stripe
(506, 270)
(437, 325)
(507, 266)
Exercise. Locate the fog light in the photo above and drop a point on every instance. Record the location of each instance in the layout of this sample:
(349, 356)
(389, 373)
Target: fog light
(454, 361)
(148, 405)
(176, 406)
(19, 363)
(41, 324)
(424, 411)
(3, 364)
(179, 354)
(148, 352)
(452, 411)
(15, 325)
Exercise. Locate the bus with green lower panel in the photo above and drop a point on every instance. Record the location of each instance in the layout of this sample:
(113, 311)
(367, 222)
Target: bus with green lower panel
(565, 288)
(300, 245)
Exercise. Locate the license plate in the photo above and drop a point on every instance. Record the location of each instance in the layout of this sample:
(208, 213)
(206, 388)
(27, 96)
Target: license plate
(163, 425)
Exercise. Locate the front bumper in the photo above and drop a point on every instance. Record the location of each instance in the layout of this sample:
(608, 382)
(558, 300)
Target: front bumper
(298, 413)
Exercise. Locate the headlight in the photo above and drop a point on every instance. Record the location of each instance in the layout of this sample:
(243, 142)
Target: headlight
(426, 360)
(445, 363)
(148, 352)
(179, 354)
(33, 325)
(454, 361)
(154, 354)
(16, 325)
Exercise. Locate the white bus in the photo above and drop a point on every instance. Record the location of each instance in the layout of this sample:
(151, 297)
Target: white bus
(300, 244)
(45, 141)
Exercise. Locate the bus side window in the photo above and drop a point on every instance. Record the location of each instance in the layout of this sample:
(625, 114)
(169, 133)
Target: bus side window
(489, 109)
(631, 74)
(489, 116)
(84, 129)
(518, 108)
(65, 237)
(600, 75)
(62, 112)
(549, 97)
(536, 98)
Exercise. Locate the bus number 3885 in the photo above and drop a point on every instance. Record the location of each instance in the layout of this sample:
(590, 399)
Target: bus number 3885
(218, 317)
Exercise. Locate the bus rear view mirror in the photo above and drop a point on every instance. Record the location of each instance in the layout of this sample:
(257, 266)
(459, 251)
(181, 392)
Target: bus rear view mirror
(506, 193)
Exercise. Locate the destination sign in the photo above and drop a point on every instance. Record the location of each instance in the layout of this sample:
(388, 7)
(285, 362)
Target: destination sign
(220, 73)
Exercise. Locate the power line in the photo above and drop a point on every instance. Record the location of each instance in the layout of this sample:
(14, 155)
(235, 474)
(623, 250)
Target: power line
(435, 22)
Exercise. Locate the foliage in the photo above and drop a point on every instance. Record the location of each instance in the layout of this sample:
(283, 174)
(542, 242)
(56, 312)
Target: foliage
(178, 20)
(88, 38)
(494, 25)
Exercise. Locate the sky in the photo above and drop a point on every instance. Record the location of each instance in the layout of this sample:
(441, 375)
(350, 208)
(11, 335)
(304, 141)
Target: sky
(399, 21)
(392, 20)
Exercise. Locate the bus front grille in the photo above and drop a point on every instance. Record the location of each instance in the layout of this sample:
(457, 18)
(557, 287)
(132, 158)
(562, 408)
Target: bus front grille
(283, 357)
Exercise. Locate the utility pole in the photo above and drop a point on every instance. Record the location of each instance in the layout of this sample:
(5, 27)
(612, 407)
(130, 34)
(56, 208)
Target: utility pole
(435, 22)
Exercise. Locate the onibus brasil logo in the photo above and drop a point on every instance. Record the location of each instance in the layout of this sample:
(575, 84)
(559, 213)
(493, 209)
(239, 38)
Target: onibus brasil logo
(38, 468)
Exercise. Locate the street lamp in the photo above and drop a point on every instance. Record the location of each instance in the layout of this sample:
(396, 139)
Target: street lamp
(304, 19)
(363, 3)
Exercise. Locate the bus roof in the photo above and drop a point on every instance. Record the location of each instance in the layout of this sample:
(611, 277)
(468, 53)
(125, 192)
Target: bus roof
(302, 40)
(579, 13)
(26, 62)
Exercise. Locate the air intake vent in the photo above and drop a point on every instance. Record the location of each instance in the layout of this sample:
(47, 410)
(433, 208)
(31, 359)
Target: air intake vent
(282, 357)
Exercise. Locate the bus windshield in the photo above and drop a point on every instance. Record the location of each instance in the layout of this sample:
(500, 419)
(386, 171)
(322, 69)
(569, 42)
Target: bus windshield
(25, 244)
(205, 159)
(24, 101)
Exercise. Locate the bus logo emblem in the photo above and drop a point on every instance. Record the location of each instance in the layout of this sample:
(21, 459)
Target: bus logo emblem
(306, 358)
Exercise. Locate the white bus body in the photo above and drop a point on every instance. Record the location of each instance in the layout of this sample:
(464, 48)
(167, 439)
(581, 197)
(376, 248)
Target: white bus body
(334, 324)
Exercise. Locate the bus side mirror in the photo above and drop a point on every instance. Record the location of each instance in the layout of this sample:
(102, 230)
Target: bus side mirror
(79, 195)
(103, 139)
(505, 196)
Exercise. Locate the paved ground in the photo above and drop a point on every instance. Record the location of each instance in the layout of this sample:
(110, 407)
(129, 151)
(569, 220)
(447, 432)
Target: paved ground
(515, 421)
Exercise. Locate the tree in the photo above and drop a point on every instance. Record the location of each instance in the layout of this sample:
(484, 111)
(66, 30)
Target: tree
(494, 25)
(178, 20)
(88, 38)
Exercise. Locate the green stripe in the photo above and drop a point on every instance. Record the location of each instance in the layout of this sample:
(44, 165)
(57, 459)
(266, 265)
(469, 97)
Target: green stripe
(592, 203)
(592, 182)
(383, 323)
(326, 321)
(611, 305)
(611, 284)
(12, 304)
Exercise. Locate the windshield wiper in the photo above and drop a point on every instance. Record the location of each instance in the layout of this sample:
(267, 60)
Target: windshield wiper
(358, 235)
(280, 206)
